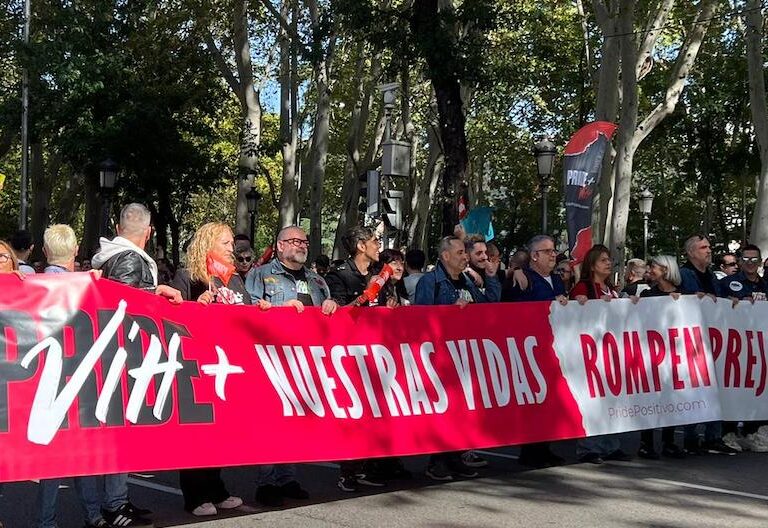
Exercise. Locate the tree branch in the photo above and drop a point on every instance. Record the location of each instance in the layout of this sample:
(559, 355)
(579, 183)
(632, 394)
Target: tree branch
(652, 31)
(682, 68)
(218, 57)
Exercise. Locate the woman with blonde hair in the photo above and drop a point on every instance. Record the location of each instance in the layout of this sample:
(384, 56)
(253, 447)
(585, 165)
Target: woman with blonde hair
(210, 277)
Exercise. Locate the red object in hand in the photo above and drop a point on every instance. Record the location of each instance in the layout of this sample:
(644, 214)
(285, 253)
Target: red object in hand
(219, 268)
(374, 287)
(264, 258)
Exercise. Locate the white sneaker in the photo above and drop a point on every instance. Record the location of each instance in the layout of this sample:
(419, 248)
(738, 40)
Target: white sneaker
(762, 434)
(753, 442)
(733, 441)
(231, 502)
(205, 509)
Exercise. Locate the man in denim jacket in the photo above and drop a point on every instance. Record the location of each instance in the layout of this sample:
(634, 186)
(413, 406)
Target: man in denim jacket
(285, 281)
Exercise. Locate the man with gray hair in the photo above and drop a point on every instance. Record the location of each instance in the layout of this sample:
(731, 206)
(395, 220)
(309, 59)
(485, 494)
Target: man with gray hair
(123, 259)
(698, 279)
(286, 281)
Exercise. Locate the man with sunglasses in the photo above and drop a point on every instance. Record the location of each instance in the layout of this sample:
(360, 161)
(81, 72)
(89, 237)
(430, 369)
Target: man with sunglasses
(349, 279)
(746, 285)
(243, 259)
(727, 265)
(286, 281)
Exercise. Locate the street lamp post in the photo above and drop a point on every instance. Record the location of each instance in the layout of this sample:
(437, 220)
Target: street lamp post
(545, 152)
(252, 198)
(108, 172)
(646, 204)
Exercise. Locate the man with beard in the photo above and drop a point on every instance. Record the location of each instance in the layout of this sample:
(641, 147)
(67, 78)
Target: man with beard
(477, 251)
(286, 282)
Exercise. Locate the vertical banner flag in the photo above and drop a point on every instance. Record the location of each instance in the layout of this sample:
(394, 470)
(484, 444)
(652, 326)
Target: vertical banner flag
(583, 162)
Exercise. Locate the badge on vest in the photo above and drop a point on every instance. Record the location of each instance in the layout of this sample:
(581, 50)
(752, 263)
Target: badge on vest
(736, 286)
(302, 287)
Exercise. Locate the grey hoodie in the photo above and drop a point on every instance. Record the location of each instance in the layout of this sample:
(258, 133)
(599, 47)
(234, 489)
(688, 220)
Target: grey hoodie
(110, 248)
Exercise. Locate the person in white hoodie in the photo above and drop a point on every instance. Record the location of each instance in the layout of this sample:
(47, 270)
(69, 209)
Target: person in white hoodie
(123, 259)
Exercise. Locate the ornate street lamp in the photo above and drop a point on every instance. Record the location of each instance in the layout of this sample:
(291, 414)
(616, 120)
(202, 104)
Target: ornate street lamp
(252, 198)
(646, 205)
(108, 173)
(544, 152)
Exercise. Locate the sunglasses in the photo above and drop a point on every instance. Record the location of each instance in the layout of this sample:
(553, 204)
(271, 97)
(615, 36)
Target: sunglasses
(732, 264)
(244, 259)
(751, 260)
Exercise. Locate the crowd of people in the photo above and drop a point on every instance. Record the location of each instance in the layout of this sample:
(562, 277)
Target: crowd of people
(468, 270)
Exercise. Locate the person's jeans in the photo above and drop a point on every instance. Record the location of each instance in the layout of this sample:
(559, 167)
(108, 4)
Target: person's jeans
(275, 474)
(600, 445)
(712, 432)
(115, 491)
(87, 489)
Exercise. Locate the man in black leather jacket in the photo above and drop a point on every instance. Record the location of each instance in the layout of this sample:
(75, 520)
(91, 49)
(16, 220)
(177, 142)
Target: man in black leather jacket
(123, 259)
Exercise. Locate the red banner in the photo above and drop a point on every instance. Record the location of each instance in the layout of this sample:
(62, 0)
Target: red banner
(96, 377)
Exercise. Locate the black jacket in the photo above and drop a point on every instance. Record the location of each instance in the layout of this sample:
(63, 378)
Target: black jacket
(346, 283)
(232, 293)
(129, 268)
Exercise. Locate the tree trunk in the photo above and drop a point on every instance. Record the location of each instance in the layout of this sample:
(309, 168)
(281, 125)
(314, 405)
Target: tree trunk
(606, 109)
(424, 191)
(90, 242)
(41, 195)
(289, 194)
(757, 100)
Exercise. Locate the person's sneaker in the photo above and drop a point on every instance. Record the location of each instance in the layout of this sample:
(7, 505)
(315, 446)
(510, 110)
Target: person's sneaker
(369, 480)
(438, 471)
(592, 458)
(458, 468)
(204, 510)
(229, 503)
(673, 451)
(619, 456)
(101, 523)
(293, 490)
(473, 460)
(733, 441)
(347, 484)
(647, 453)
(124, 517)
(717, 447)
(269, 495)
(752, 442)
(535, 462)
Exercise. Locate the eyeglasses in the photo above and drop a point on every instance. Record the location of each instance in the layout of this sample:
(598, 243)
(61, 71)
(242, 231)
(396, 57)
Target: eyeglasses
(548, 251)
(244, 259)
(732, 264)
(297, 242)
(750, 260)
(5, 257)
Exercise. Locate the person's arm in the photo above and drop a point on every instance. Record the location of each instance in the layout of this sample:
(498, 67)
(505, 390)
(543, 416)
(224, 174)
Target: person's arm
(336, 287)
(254, 284)
(689, 285)
(425, 290)
(492, 288)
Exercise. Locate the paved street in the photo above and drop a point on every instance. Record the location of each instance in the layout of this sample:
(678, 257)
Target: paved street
(711, 491)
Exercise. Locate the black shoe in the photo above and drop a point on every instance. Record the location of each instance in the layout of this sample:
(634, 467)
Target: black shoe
(673, 451)
(438, 471)
(347, 484)
(554, 460)
(473, 460)
(141, 512)
(124, 517)
(369, 480)
(101, 523)
(619, 456)
(293, 490)
(535, 462)
(459, 469)
(647, 453)
(269, 495)
(592, 458)
(718, 447)
(693, 448)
